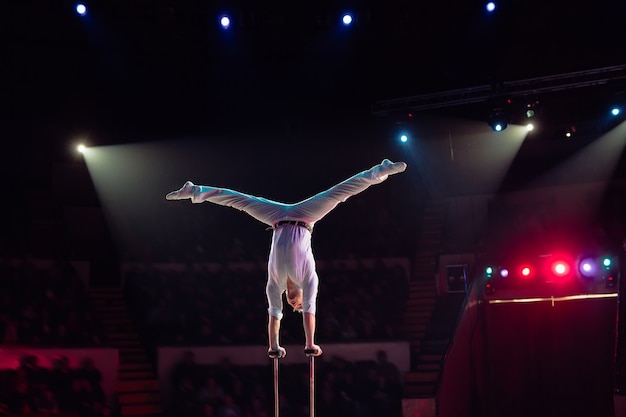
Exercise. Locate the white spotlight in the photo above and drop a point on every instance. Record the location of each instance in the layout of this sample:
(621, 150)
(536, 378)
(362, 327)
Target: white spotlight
(615, 111)
(225, 22)
(81, 148)
(530, 127)
(347, 19)
(491, 6)
(404, 138)
(81, 9)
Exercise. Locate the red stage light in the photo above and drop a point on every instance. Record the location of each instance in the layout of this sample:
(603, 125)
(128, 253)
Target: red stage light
(526, 271)
(560, 268)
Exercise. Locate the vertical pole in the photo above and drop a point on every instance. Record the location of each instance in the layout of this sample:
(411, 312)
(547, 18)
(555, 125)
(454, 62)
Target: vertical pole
(276, 397)
(310, 353)
(275, 355)
(312, 385)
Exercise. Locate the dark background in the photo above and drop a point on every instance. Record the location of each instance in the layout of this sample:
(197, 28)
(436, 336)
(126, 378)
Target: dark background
(137, 70)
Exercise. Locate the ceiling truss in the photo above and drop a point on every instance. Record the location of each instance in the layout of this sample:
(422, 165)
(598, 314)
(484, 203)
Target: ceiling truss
(520, 88)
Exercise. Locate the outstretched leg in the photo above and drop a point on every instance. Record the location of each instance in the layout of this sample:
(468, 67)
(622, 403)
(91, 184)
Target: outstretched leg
(316, 207)
(262, 209)
(309, 210)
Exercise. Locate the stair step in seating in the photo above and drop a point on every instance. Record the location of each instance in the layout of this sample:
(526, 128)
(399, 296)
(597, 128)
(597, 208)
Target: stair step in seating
(132, 359)
(421, 377)
(428, 367)
(127, 375)
(137, 385)
(417, 314)
(429, 358)
(139, 398)
(135, 366)
(124, 336)
(141, 409)
(419, 390)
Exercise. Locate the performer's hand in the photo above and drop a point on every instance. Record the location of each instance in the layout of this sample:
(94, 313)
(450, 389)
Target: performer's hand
(278, 352)
(313, 350)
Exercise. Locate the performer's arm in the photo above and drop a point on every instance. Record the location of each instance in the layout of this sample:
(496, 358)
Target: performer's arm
(308, 320)
(273, 330)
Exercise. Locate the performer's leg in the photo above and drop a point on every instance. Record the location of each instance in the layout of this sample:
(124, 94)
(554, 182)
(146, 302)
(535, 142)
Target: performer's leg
(316, 207)
(264, 210)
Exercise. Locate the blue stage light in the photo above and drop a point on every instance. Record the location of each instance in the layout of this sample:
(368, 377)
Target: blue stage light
(81, 9)
(225, 22)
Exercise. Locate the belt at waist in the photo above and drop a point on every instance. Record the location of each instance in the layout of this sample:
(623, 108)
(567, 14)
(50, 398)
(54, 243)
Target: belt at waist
(295, 223)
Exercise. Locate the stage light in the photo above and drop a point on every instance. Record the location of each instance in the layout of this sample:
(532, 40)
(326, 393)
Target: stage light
(526, 271)
(346, 19)
(615, 111)
(532, 109)
(606, 262)
(225, 22)
(81, 148)
(499, 119)
(81, 9)
(530, 127)
(489, 271)
(504, 272)
(489, 288)
(491, 6)
(587, 267)
(560, 268)
(610, 281)
(404, 138)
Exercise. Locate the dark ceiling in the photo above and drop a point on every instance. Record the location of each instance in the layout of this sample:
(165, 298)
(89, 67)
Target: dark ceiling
(164, 67)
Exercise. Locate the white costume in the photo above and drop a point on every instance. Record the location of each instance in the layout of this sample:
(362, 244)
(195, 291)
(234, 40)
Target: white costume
(290, 255)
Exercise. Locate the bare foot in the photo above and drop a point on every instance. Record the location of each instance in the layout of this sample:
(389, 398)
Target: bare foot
(186, 191)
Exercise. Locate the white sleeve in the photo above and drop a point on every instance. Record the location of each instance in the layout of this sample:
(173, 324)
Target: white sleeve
(274, 299)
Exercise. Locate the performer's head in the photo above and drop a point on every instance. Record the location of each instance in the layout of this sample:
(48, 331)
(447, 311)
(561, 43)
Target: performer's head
(294, 296)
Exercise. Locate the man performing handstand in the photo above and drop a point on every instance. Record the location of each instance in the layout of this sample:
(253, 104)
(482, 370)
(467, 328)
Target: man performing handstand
(291, 266)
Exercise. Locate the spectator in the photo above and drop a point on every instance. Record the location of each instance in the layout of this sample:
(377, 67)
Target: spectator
(229, 408)
(186, 369)
(20, 400)
(212, 393)
(61, 379)
(35, 375)
(387, 369)
(256, 409)
(8, 331)
(46, 403)
(88, 372)
(186, 401)
(91, 399)
(207, 410)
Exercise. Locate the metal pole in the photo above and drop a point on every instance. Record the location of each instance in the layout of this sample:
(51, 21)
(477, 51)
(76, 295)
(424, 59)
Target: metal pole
(310, 354)
(312, 384)
(275, 355)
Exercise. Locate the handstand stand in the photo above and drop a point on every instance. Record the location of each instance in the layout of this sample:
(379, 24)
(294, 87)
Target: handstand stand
(291, 266)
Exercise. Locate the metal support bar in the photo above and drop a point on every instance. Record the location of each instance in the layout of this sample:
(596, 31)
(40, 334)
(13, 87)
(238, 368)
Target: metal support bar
(530, 86)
